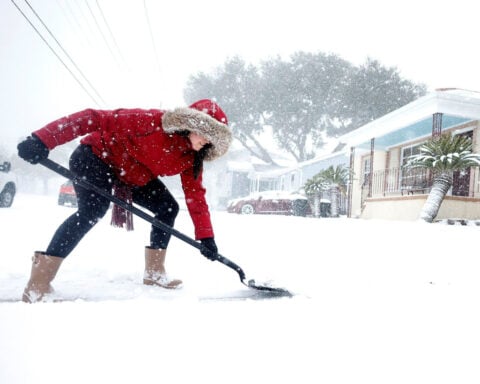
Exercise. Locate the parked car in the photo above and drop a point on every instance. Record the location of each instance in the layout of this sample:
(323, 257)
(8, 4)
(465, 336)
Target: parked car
(8, 187)
(271, 202)
(67, 194)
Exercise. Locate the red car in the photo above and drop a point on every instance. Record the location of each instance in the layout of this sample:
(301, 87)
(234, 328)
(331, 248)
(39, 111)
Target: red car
(271, 202)
(67, 194)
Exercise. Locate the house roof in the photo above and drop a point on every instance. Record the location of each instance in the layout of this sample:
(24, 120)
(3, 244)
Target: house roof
(459, 104)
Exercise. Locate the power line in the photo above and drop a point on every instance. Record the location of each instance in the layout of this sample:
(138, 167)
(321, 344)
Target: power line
(101, 33)
(58, 57)
(151, 36)
(87, 23)
(65, 52)
(69, 16)
(111, 33)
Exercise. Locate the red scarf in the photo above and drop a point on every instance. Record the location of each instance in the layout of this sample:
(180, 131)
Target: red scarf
(120, 216)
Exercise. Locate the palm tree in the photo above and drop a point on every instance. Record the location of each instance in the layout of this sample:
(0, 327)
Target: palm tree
(314, 187)
(333, 178)
(442, 155)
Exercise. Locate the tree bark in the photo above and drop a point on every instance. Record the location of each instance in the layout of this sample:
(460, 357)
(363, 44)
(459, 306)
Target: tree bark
(440, 187)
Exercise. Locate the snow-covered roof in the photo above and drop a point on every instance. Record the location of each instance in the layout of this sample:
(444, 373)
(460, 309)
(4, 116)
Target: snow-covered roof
(327, 158)
(453, 102)
(239, 166)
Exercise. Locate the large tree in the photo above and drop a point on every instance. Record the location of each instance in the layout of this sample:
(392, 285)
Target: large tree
(298, 96)
(235, 86)
(371, 91)
(305, 99)
(442, 155)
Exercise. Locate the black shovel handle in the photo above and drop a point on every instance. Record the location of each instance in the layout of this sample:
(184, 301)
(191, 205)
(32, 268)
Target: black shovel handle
(57, 168)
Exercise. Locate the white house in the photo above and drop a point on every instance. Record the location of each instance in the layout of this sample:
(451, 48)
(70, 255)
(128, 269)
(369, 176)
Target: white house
(379, 186)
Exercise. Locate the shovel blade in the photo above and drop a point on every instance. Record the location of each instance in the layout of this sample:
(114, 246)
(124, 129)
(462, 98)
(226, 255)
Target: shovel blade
(268, 289)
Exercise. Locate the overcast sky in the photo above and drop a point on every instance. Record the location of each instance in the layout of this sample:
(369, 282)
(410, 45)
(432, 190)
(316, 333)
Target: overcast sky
(435, 43)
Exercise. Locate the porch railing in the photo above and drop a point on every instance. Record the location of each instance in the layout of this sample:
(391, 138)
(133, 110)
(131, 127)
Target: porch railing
(398, 181)
(395, 181)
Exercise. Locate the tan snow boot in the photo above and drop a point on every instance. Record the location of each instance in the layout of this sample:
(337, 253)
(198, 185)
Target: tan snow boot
(44, 269)
(155, 270)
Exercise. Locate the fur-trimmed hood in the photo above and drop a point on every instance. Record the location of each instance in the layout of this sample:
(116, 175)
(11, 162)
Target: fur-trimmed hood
(205, 118)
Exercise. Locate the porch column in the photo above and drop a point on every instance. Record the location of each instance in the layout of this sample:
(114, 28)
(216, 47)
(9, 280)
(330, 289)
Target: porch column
(370, 176)
(437, 124)
(350, 182)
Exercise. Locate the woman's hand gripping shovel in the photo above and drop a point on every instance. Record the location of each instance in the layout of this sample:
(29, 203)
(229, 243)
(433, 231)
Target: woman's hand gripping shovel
(265, 289)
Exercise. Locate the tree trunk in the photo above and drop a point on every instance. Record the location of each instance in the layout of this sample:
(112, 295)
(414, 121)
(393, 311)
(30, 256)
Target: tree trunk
(334, 200)
(316, 204)
(440, 187)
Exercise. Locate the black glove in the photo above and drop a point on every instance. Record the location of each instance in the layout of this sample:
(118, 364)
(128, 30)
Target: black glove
(209, 248)
(32, 150)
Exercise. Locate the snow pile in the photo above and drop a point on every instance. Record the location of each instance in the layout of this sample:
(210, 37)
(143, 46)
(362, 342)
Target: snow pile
(378, 302)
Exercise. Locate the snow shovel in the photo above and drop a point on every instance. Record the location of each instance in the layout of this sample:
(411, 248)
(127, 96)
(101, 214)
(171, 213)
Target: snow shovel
(267, 289)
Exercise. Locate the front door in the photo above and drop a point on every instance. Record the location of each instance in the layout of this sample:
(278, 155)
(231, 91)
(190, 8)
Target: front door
(461, 179)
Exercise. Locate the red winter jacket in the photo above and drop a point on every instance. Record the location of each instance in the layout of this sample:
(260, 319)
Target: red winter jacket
(134, 143)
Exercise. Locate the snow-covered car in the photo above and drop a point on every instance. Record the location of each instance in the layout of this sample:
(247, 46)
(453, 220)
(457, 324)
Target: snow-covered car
(8, 187)
(67, 195)
(271, 202)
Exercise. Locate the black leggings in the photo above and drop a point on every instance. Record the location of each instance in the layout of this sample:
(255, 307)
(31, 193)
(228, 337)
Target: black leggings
(153, 196)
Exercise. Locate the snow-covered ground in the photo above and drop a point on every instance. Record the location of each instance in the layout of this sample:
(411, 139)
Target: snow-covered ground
(378, 302)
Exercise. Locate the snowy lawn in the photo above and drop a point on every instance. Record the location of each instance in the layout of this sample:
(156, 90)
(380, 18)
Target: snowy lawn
(378, 302)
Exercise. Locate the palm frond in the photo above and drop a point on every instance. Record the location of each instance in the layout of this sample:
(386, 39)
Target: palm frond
(445, 153)
(324, 179)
